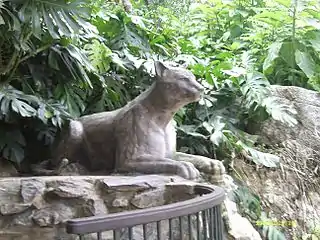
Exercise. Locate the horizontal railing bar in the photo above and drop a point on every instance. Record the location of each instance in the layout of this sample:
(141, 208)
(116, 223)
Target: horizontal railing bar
(213, 196)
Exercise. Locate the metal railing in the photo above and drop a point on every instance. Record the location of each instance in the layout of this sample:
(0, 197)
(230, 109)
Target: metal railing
(197, 218)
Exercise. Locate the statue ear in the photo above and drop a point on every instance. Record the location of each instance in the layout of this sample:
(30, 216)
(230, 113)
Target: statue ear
(160, 68)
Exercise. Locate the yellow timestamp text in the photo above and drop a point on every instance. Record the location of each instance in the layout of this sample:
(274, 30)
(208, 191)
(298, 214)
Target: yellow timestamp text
(282, 223)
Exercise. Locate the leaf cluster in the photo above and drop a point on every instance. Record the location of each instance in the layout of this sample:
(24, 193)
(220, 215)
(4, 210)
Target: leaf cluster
(60, 60)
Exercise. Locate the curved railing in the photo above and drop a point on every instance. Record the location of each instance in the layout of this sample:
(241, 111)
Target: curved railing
(197, 218)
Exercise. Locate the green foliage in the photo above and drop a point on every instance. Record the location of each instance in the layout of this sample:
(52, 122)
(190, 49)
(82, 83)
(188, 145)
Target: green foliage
(57, 63)
(271, 232)
(250, 206)
(292, 58)
(209, 40)
(65, 59)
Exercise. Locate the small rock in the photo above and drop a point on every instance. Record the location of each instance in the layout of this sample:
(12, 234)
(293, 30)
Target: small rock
(120, 202)
(13, 208)
(99, 207)
(92, 207)
(179, 191)
(71, 189)
(45, 217)
(10, 190)
(123, 184)
(22, 220)
(149, 199)
(38, 202)
(239, 227)
(30, 188)
(53, 215)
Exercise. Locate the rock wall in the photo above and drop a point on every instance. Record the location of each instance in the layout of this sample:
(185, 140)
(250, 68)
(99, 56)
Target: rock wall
(38, 207)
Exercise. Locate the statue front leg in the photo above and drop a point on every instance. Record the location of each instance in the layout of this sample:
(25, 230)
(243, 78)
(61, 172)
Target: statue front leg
(69, 144)
(212, 168)
(149, 164)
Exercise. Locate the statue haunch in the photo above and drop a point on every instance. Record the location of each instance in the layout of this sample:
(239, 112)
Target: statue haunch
(138, 137)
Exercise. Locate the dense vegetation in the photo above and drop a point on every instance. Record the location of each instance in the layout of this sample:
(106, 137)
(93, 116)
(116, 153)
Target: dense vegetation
(62, 59)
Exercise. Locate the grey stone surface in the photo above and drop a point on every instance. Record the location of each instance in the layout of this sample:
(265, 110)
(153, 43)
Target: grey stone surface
(38, 207)
(13, 208)
(239, 227)
(31, 188)
(307, 105)
(149, 199)
(293, 191)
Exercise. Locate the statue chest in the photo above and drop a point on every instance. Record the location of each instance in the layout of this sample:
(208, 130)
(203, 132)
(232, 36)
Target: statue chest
(158, 141)
(170, 140)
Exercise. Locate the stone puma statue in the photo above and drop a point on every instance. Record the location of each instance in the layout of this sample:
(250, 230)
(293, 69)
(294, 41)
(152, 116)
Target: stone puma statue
(139, 137)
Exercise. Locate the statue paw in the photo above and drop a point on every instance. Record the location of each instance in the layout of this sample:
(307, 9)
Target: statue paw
(188, 171)
(204, 164)
(215, 167)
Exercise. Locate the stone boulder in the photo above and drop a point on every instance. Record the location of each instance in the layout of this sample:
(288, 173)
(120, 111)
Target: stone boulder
(290, 193)
(307, 105)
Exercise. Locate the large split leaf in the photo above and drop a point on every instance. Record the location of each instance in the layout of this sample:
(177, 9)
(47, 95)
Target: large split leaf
(273, 53)
(265, 159)
(14, 100)
(12, 144)
(99, 55)
(59, 17)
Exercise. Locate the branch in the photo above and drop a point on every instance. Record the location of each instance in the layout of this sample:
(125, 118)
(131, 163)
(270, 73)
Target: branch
(35, 52)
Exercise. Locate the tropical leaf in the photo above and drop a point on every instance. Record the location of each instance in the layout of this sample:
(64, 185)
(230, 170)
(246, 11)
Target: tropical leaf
(75, 61)
(265, 159)
(285, 3)
(273, 53)
(273, 18)
(306, 63)
(60, 18)
(15, 100)
(72, 97)
(7, 17)
(279, 111)
(99, 56)
(216, 128)
(12, 145)
(315, 40)
(271, 232)
(191, 130)
(254, 88)
(248, 202)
